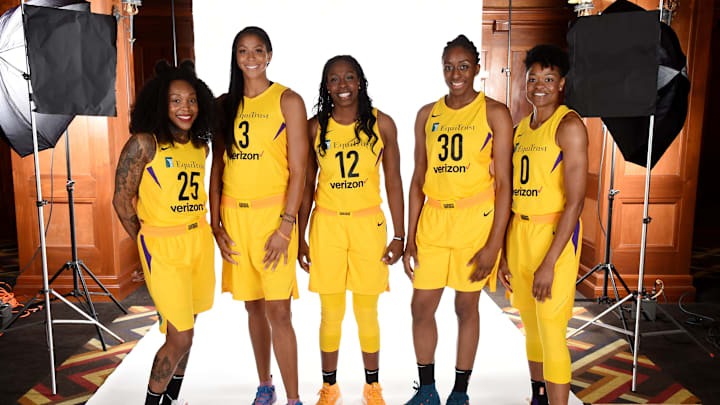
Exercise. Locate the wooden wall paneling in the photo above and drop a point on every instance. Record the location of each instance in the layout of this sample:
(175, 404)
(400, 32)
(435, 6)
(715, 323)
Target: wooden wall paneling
(673, 180)
(95, 144)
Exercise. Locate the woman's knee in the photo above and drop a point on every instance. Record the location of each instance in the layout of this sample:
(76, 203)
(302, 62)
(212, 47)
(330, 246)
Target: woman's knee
(255, 308)
(180, 342)
(278, 312)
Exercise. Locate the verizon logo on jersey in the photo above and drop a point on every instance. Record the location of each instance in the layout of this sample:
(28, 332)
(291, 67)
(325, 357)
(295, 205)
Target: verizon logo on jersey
(450, 169)
(187, 207)
(245, 156)
(347, 184)
(526, 192)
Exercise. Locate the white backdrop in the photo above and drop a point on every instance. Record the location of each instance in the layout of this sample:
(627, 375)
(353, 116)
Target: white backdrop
(398, 44)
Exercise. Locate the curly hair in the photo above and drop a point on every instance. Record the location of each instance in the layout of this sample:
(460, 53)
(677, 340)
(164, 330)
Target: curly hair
(461, 41)
(150, 112)
(323, 109)
(236, 91)
(548, 56)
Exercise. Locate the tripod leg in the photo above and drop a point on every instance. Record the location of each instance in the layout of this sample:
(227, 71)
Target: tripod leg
(92, 307)
(610, 271)
(108, 293)
(63, 268)
(625, 286)
(586, 275)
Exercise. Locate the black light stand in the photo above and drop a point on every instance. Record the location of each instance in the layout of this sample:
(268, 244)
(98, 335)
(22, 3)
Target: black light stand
(78, 266)
(607, 267)
(46, 290)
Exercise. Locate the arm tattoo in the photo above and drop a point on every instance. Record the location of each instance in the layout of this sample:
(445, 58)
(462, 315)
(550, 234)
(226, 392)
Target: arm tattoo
(135, 155)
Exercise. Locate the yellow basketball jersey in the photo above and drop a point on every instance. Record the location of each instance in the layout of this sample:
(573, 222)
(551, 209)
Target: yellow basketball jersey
(172, 186)
(349, 170)
(538, 185)
(459, 150)
(258, 166)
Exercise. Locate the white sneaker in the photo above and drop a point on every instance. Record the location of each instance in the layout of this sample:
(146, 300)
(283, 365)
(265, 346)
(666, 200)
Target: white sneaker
(179, 401)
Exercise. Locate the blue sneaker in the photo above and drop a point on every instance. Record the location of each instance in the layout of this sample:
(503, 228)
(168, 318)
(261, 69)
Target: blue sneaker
(425, 395)
(265, 395)
(458, 398)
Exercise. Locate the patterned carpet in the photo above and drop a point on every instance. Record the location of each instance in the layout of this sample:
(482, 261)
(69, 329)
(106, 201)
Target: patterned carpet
(602, 368)
(81, 375)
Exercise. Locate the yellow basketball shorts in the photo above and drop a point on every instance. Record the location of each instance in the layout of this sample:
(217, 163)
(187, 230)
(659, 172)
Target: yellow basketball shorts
(446, 239)
(527, 244)
(178, 263)
(346, 252)
(250, 229)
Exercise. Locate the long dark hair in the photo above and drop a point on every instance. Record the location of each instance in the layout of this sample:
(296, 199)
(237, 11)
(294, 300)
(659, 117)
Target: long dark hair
(236, 90)
(323, 109)
(150, 112)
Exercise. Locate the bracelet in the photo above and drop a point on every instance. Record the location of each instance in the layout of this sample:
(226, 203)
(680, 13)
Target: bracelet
(288, 215)
(401, 239)
(290, 221)
(282, 235)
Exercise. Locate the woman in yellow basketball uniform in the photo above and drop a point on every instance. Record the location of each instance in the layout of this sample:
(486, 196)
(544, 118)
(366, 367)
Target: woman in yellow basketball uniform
(545, 234)
(455, 236)
(256, 187)
(163, 166)
(348, 247)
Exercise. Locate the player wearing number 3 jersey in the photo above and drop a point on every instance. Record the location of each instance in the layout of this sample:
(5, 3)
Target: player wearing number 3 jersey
(455, 236)
(545, 234)
(256, 188)
(163, 166)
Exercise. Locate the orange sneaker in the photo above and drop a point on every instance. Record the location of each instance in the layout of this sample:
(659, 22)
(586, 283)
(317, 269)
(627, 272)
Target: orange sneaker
(329, 395)
(372, 395)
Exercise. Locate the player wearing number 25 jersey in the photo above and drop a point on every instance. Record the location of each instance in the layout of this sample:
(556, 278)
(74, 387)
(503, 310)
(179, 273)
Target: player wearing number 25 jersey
(458, 212)
(545, 234)
(163, 166)
(256, 189)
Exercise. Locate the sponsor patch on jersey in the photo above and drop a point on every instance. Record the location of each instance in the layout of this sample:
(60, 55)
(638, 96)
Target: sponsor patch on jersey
(169, 162)
(435, 126)
(327, 144)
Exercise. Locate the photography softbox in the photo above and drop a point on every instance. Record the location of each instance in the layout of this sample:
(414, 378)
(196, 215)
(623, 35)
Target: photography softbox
(73, 61)
(626, 65)
(15, 126)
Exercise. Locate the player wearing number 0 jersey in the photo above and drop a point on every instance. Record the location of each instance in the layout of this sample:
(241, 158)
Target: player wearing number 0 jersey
(348, 247)
(545, 234)
(256, 189)
(458, 212)
(163, 166)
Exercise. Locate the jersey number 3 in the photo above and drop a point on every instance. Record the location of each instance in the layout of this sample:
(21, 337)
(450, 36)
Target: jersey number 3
(244, 127)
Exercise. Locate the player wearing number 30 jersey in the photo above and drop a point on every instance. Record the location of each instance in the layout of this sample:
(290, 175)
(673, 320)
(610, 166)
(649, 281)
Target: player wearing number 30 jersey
(545, 234)
(455, 235)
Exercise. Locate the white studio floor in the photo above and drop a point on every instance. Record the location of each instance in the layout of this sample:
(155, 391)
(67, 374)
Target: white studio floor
(221, 369)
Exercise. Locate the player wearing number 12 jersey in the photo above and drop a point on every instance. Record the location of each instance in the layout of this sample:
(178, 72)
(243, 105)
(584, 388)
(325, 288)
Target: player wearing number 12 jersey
(163, 166)
(256, 189)
(545, 234)
(455, 236)
(348, 247)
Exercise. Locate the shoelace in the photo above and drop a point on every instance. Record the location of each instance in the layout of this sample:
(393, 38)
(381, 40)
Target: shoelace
(264, 395)
(324, 393)
(376, 393)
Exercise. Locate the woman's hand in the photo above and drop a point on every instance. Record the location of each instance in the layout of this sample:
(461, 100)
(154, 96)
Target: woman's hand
(410, 252)
(393, 252)
(543, 280)
(224, 243)
(275, 247)
(304, 256)
(484, 261)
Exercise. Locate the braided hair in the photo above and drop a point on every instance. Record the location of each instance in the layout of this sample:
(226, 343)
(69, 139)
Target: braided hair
(323, 109)
(462, 41)
(150, 112)
(236, 91)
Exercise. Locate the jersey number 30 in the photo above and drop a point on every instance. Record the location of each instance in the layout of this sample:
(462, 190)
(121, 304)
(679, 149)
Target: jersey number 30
(455, 149)
(183, 176)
